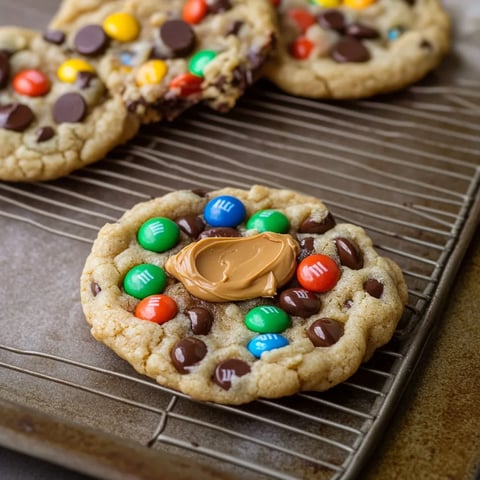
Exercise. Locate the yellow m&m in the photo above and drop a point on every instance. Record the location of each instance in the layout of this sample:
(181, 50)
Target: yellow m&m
(327, 3)
(359, 4)
(121, 26)
(67, 72)
(151, 72)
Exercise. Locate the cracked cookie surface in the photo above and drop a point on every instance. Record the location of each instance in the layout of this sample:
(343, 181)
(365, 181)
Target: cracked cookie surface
(357, 48)
(48, 126)
(334, 299)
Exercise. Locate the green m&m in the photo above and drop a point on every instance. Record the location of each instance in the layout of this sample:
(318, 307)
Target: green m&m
(267, 319)
(158, 234)
(269, 221)
(199, 61)
(144, 280)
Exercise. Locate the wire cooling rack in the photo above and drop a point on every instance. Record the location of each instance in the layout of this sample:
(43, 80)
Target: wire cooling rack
(405, 167)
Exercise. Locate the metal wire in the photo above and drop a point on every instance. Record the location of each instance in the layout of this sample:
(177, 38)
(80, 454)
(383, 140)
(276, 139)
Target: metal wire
(407, 171)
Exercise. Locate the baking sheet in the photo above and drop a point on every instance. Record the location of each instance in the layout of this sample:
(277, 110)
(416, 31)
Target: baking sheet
(405, 167)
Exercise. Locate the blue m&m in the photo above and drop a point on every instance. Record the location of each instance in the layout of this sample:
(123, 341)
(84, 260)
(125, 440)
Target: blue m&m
(265, 343)
(224, 211)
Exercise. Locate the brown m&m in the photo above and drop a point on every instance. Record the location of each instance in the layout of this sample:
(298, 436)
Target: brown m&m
(325, 332)
(186, 353)
(228, 370)
(299, 302)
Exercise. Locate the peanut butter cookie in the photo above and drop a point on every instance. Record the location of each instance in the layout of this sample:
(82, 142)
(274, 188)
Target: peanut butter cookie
(239, 294)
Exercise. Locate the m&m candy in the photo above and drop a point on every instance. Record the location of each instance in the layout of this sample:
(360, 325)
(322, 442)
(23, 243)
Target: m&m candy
(199, 62)
(327, 3)
(121, 26)
(156, 308)
(269, 221)
(158, 234)
(194, 11)
(144, 280)
(301, 48)
(32, 83)
(267, 319)
(266, 343)
(151, 73)
(186, 84)
(224, 211)
(358, 4)
(318, 273)
(302, 18)
(68, 71)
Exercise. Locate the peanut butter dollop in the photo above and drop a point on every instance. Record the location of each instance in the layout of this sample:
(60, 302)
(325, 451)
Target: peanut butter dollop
(224, 269)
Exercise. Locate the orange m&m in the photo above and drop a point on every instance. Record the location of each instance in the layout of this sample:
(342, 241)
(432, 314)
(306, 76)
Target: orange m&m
(301, 48)
(186, 84)
(157, 308)
(318, 273)
(302, 18)
(32, 83)
(194, 11)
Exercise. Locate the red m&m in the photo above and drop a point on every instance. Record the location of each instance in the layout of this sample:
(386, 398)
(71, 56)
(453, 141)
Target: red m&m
(32, 83)
(194, 11)
(318, 273)
(156, 308)
(186, 84)
(301, 48)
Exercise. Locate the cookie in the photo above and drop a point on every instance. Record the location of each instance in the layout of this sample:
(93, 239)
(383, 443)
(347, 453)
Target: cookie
(239, 294)
(50, 126)
(357, 48)
(164, 56)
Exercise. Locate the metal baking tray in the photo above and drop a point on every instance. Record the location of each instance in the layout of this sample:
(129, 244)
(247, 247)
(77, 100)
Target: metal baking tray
(405, 167)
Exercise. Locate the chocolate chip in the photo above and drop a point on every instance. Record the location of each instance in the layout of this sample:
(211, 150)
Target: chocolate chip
(299, 302)
(4, 69)
(178, 36)
(349, 253)
(192, 225)
(325, 332)
(44, 133)
(358, 30)
(348, 50)
(95, 288)
(56, 37)
(332, 20)
(200, 192)
(201, 320)
(317, 225)
(307, 246)
(70, 107)
(373, 287)
(15, 116)
(234, 28)
(411, 2)
(187, 352)
(228, 370)
(91, 40)
(426, 45)
(220, 232)
(84, 79)
(218, 6)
